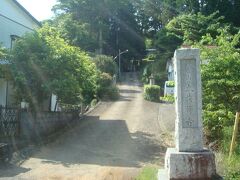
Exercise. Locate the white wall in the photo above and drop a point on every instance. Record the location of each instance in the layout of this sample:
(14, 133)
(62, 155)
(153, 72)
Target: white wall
(3, 87)
(170, 73)
(9, 9)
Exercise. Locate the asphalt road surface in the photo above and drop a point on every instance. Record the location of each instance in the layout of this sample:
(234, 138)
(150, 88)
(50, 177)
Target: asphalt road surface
(114, 141)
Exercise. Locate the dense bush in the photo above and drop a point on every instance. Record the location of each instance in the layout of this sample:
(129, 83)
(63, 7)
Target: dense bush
(106, 89)
(221, 82)
(221, 94)
(156, 69)
(43, 63)
(151, 92)
(105, 64)
(109, 93)
(104, 81)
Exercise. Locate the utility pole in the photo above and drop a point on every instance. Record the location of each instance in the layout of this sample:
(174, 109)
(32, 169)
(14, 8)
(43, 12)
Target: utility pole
(119, 63)
(119, 60)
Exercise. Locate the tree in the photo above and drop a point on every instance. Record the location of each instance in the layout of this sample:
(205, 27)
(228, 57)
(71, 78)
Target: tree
(101, 27)
(105, 64)
(76, 33)
(226, 8)
(43, 63)
(220, 77)
(186, 29)
(4, 54)
(191, 27)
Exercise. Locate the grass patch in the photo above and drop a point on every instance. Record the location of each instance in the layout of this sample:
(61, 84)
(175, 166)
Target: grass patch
(148, 173)
(228, 168)
(232, 165)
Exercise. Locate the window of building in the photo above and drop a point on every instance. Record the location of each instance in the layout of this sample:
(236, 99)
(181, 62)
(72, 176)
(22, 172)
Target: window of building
(13, 40)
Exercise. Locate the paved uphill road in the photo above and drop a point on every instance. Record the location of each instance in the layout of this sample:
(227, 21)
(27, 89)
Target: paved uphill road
(113, 142)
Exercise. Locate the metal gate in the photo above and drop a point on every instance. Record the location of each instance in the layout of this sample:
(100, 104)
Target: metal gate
(9, 122)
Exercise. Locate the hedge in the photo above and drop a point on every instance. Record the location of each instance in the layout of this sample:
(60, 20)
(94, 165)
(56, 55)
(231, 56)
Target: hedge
(151, 92)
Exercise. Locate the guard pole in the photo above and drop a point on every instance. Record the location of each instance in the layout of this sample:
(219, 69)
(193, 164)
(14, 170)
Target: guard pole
(235, 133)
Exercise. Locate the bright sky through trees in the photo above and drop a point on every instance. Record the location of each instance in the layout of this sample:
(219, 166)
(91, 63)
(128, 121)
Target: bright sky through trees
(41, 10)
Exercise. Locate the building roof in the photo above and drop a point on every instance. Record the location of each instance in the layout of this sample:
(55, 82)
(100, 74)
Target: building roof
(21, 7)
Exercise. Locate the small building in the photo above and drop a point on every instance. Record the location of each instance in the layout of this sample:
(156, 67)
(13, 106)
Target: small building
(15, 21)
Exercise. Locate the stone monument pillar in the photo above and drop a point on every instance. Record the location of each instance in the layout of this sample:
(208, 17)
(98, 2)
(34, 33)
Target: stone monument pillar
(188, 160)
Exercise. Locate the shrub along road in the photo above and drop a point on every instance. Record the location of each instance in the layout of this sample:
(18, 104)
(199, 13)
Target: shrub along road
(113, 142)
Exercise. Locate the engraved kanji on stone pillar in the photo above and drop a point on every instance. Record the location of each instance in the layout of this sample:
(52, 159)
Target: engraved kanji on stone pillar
(188, 101)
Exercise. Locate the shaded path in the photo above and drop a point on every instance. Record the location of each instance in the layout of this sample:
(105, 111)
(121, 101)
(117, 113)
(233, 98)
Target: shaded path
(114, 140)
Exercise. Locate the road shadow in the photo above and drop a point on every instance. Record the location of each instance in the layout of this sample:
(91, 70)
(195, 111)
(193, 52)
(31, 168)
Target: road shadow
(102, 142)
(10, 170)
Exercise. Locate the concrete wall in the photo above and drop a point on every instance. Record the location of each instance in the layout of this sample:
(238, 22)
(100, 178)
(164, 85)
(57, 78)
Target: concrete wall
(35, 127)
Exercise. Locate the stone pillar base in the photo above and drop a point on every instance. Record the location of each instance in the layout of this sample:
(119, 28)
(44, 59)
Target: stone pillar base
(188, 165)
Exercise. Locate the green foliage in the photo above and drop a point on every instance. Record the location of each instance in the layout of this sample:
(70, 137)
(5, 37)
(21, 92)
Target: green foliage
(219, 51)
(101, 26)
(191, 27)
(26, 65)
(231, 167)
(220, 77)
(186, 29)
(151, 92)
(154, 65)
(170, 83)
(3, 52)
(43, 63)
(104, 81)
(75, 32)
(166, 42)
(105, 64)
(106, 90)
(4, 70)
(183, 29)
(228, 9)
(94, 102)
(154, 14)
(148, 173)
(168, 98)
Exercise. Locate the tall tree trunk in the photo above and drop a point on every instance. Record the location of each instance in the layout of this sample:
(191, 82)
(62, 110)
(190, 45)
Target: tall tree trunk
(100, 41)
